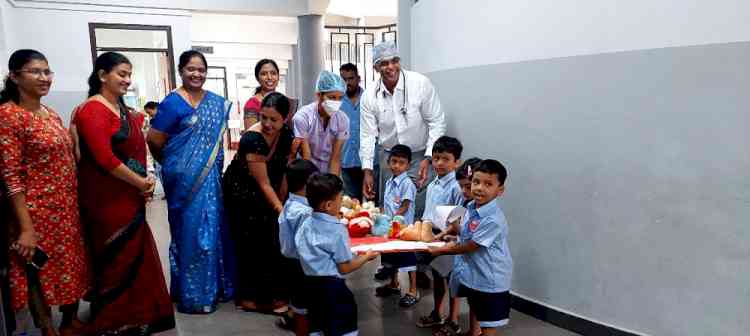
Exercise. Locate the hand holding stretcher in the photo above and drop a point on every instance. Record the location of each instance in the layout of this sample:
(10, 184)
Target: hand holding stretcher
(386, 245)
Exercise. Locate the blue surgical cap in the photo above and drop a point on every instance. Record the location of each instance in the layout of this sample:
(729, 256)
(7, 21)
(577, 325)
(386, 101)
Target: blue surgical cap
(329, 82)
(384, 50)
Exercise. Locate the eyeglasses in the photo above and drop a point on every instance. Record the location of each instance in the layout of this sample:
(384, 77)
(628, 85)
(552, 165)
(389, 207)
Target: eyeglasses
(39, 72)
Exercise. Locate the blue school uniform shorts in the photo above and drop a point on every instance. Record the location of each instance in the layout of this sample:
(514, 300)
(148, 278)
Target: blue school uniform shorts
(332, 308)
(492, 309)
(299, 291)
(403, 261)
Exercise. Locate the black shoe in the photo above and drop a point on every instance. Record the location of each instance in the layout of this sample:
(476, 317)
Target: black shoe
(386, 290)
(384, 273)
(430, 320)
(423, 281)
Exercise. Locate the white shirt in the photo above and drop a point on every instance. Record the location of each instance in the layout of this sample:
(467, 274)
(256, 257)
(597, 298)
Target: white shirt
(382, 117)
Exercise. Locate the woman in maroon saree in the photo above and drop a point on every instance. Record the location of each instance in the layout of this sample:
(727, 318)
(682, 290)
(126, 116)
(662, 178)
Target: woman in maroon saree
(130, 290)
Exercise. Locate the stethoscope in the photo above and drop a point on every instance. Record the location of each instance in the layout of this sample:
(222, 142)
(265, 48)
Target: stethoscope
(405, 99)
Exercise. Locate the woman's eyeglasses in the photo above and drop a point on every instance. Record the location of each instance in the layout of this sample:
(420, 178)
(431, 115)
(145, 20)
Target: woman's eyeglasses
(39, 72)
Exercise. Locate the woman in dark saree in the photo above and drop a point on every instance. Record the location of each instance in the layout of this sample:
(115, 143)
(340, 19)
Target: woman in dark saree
(130, 294)
(253, 197)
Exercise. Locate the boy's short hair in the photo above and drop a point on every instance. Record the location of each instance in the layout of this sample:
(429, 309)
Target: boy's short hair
(322, 188)
(446, 144)
(402, 151)
(467, 169)
(298, 172)
(151, 105)
(493, 167)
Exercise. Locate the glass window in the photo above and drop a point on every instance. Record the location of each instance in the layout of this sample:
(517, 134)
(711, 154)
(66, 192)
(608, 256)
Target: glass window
(121, 38)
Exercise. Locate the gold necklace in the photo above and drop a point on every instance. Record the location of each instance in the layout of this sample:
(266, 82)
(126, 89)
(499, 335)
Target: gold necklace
(192, 103)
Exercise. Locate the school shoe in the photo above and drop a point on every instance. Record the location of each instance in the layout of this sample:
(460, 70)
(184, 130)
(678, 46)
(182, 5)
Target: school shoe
(386, 290)
(449, 328)
(408, 300)
(384, 273)
(430, 320)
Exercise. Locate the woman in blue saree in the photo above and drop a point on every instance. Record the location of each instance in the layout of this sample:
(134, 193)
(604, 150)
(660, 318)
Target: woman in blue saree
(186, 137)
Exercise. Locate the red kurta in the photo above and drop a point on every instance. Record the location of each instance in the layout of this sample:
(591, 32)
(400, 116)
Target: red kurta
(37, 160)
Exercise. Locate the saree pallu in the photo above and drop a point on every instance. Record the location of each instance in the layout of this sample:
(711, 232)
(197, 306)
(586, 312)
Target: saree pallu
(201, 255)
(129, 287)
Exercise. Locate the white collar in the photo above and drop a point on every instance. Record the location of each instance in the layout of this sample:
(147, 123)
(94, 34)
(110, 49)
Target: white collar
(399, 85)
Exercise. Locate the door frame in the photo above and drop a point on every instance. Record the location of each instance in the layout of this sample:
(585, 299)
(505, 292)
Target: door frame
(224, 69)
(122, 26)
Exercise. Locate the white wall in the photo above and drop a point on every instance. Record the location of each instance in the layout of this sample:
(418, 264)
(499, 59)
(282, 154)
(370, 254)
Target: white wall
(241, 59)
(511, 31)
(4, 8)
(63, 36)
(257, 7)
(239, 42)
(625, 128)
(206, 27)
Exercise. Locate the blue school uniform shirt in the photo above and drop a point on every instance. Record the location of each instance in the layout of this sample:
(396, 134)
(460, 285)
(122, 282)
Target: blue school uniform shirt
(442, 191)
(322, 243)
(490, 268)
(398, 189)
(295, 211)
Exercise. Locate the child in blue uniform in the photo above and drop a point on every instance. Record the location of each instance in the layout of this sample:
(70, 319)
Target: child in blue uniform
(400, 194)
(443, 190)
(323, 248)
(296, 210)
(451, 327)
(485, 267)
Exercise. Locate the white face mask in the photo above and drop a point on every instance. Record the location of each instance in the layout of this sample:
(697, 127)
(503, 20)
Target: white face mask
(331, 106)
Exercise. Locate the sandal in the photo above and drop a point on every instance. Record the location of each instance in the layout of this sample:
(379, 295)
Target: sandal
(408, 300)
(269, 309)
(449, 328)
(386, 291)
(431, 320)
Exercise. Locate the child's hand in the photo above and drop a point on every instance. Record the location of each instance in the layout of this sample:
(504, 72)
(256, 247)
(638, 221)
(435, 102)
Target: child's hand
(435, 251)
(370, 255)
(450, 238)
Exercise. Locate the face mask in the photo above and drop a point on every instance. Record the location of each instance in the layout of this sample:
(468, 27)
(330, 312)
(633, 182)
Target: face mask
(331, 106)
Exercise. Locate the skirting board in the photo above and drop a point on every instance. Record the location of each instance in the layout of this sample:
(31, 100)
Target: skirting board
(566, 320)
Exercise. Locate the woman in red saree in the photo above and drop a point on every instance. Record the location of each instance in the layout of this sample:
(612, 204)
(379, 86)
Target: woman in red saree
(130, 290)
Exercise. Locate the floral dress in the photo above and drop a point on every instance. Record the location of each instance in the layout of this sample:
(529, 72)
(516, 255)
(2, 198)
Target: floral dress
(37, 160)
